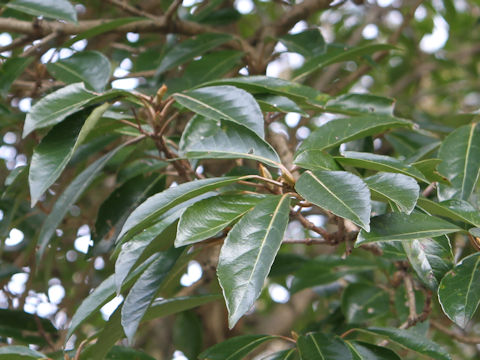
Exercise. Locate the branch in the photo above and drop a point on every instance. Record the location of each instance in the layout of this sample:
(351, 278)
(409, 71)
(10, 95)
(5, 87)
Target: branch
(123, 5)
(306, 241)
(459, 337)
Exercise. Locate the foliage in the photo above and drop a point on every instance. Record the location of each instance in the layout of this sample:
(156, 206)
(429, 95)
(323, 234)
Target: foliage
(154, 175)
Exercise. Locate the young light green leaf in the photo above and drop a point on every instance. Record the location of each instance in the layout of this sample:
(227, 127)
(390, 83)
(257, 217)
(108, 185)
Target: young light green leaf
(459, 290)
(358, 104)
(146, 214)
(398, 226)
(411, 340)
(232, 141)
(379, 163)
(90, 67)
(316, 160)
(68, 197)
(10, 70)
(316, 346)
(54, 9)
(52, 155)
(16, 352)
(460, 152)
(189, 49)
(208, 217)
(401, 189)
(364, 351)
(337, 132)
(362, 302)
(248, 253)
(235, 348)
(225, 103)
(56, 106)
(341, 192)
(143, 292)
(455, 209)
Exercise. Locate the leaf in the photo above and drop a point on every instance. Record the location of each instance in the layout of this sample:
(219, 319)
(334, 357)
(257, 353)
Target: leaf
(272, 103)
(379, 163)
(90, 67)
(68, 198)
(429, 259)
(187, 334)
(15, 352)
(398, 188)
(25, 328)
(398, 226)
(189, 49)
(125, 353)
(208, 217)
(308, 43)
(235, 348)
(364, 351)
(428, 167)
(316, 160)
(196, 130)
(410, 340)
(232, 141)
(290, 354)
(362, 302)
(142, 293)
(460, 152)
(11, 69)
(316, 346)
(225, 103)
(52, 155)
(459, 290)
(54, 9)
(339, 192)
(248, 253)
(336, 55)
(146, 214)
(358, 104)
(55, 107)
(454, 209)
(340, 131)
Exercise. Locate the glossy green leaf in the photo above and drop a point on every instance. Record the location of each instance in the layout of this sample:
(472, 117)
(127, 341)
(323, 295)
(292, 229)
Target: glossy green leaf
(272, 103)
(429, 259)
(16, 352)
(235, 348)
(196, 130)
(364, 351)
(54, 9)
(291, 354)
(125, 353)
(232, 141)
(10, 70)
(55, 107)
(308, 43)
(208, 217)
(357, 104)
(189, 49)
(187, 334)
(362, 302)
(428, 167)
(398, 226)
(340, 192)
(225, 103)
(143, 292)
(68, 198)
(316, 160)
(379, 163)
(340, 131)
(400, 189)
(459, 290)
(412, 341)
(460, 152)
(459, 210)
(316, 346)
(52, 155)
(25, 328)
(90, 67)
(248, 253)
(338, 55)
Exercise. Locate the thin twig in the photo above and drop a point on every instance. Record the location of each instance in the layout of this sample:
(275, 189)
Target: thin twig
(172, 9)
(462, 338)
(306, 241)
(123, 5)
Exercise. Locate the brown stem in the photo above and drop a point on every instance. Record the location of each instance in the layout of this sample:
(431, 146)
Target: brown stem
(459, 337)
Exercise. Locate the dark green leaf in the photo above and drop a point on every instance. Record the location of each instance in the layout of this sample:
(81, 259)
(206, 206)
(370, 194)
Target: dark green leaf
(362, 302)
(316, 346)
(11, 69)
(460, 152)
(428, 167)
(454, 209)
(196, 130)
(90, 67)
(358, 104)
(235, 348)
(54, 9)
(340, 192)
(459, 290)
(365, 351)
(248, 253)
(15, 352)
(308, 43)
(272, 103)
(401, 189)
(291, 354)
(398, 226)
(124, 353)
(187, 334)
(316, 160)
(225, 103)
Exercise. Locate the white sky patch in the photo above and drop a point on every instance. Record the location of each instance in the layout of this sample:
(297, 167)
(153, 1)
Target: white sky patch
(433, 42)
(178, 355)
(56, 293)
(132, 37)
(298, 27)
(125, 84)
(46, 309)
(193, 274)
(108, 309)
(126, 64)
(10, 138)
(80, 45)
(384, 3)
(370, 31)
(16, 284)
(5, 39)
(244, 6)
(188, 3)
(25, 104)
(420, 13)
(50, 56)
(65, 53)
(292, 119)
(7, 152)
(1, 215)
(303, 132)
(84, 239)
(120, 72)
(99, 263)
(394, 18)
(14, 238)
(278, 293)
